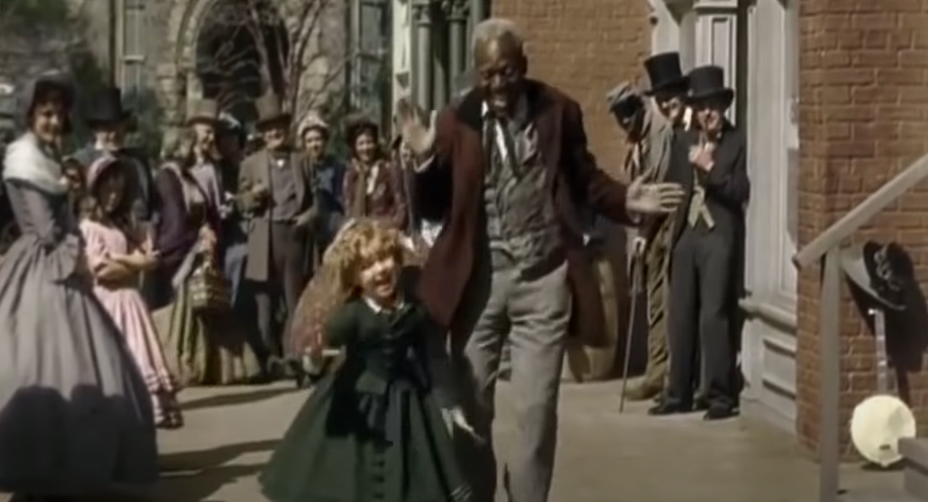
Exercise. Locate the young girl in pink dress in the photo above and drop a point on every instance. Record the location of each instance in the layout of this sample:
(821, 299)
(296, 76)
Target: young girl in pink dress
(117, 252)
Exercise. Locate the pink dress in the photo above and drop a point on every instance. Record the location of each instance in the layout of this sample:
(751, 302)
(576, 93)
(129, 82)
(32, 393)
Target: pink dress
(131, 315)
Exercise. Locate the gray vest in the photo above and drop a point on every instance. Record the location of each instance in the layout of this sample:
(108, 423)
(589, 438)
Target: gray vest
(522, 226)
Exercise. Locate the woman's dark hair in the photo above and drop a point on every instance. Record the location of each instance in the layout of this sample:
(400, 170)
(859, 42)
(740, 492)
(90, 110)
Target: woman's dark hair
(323, 131)
(41, 90)
(358, 128)
(91, 207)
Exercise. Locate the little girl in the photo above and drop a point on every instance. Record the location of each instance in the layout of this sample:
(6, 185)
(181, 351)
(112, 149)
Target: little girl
(118, 252)
(373, 429)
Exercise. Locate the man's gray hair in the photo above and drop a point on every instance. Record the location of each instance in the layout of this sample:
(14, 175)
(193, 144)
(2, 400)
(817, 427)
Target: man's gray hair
(496, 28)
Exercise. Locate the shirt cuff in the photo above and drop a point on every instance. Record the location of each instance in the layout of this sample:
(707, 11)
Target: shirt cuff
(422, 166)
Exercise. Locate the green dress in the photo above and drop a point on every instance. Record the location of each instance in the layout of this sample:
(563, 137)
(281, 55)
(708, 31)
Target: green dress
(372, 430)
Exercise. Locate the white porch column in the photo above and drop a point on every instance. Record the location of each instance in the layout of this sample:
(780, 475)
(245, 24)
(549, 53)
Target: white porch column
(717, 39)
(402, 47)
(665, 27)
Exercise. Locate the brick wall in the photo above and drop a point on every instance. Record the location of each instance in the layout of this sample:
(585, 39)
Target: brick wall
(585, 48)
(864, 117)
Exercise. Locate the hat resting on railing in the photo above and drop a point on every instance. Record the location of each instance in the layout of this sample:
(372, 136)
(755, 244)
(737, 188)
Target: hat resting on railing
(879, 271)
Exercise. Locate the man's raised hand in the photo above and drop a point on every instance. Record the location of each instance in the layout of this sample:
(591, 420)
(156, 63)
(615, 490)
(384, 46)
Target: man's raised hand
(653, 198)
(419, 137)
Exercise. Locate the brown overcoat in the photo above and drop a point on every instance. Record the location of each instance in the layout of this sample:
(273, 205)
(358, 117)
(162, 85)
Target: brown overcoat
(255, 170)
(452, 188)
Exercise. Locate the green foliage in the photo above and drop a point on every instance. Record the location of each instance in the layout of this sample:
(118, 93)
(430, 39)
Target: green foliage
(32, 13)
(149, 116)
(334, 112)
(374, 96)
(89, 79)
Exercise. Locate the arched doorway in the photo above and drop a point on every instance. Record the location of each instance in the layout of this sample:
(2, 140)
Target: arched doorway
(241, 51)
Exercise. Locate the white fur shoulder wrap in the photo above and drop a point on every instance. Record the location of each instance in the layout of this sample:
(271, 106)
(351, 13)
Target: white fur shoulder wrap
(25, 160)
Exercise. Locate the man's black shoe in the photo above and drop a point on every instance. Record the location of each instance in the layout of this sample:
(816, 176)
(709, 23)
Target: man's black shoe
(719, 413)
(701, 404)
(668, 408)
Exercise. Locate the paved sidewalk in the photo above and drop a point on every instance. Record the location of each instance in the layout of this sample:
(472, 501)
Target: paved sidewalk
(602, 456)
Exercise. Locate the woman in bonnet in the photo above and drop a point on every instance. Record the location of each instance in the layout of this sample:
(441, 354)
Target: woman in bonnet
(76, 421)
(201, 347)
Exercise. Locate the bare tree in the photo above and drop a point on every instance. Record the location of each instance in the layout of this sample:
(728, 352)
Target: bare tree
(251, 47)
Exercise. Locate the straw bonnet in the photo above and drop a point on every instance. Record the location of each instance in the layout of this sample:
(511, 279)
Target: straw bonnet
(99, 166)
(312, 120)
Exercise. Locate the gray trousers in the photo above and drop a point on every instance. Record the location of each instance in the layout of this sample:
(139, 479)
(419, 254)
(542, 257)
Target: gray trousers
(534, 312)
(286, 278)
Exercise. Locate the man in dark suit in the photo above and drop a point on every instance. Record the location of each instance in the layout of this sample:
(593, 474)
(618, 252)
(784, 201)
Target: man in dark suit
(278, 194)
(710, 162)
(110, 124)
(509, 166)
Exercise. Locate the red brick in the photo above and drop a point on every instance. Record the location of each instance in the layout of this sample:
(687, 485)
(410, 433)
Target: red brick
(863, 144)
(585, 48)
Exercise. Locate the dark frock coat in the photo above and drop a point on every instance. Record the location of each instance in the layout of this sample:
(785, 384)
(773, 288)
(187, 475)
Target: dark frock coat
(453, 186)
(176, 232)
(728, 191)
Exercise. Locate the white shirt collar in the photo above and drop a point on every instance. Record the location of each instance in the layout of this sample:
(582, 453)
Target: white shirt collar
(521, 111)
(378, 309)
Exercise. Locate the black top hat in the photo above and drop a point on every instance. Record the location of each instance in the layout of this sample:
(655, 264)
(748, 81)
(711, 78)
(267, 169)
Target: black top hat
(665, 74)
(106, 107)
(270, 110)
(880, 271)
(708, 83)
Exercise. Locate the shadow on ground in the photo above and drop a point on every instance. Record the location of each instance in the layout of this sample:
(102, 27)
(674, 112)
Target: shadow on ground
(235, 399)
(196, 475)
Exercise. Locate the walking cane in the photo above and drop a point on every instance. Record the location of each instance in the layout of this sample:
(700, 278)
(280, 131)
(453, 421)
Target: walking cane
(636, 290)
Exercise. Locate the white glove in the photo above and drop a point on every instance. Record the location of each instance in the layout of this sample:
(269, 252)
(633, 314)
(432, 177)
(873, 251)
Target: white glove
(458, 419)
(418, 136)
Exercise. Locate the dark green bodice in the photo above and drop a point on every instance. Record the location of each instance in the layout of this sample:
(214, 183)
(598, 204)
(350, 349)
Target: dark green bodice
(385, 357)
(372, 432)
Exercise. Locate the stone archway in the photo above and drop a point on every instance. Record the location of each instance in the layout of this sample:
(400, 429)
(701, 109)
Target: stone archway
(193, 22)
(241, 52)
(177, 82)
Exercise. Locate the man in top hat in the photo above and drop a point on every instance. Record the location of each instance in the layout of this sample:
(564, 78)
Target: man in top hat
(707, 236)
(109, 122)
(277, 189)
(510, 261)
(668, 86)
(650, 135)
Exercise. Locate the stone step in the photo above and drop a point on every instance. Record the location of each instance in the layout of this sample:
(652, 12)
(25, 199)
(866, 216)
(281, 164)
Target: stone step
(915, 477)
(884, 495)
(915, 482)
(915, 451)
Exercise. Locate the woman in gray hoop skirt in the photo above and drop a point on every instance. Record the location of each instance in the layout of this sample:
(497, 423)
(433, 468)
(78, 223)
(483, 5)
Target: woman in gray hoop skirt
(76, 422)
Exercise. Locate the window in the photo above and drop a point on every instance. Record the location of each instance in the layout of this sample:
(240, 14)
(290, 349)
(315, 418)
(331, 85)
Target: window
(133, 47)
